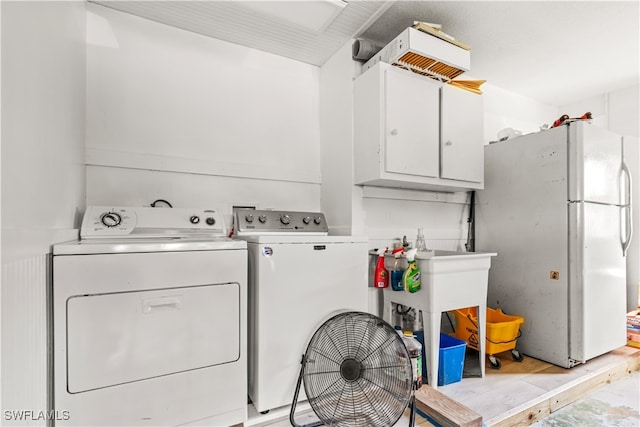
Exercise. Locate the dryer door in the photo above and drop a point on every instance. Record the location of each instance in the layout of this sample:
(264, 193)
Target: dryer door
(131, 336)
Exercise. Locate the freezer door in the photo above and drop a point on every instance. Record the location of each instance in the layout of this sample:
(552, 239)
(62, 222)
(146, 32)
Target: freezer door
(595, 165)
(597, 285)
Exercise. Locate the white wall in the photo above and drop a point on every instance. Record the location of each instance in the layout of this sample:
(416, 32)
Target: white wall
(392, 214)
(624, 111)
(504, 109)
(43, 100)
(195, 120)
(619, 111)
(43, 179)
(340, 199)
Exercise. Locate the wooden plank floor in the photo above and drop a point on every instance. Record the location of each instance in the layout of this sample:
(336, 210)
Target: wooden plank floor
(516, 394)
(521, 393)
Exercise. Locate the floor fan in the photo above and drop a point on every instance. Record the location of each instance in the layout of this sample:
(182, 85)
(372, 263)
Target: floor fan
(356, 372)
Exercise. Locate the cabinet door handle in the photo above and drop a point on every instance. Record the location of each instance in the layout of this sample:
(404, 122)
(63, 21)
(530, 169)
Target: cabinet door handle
(152, 305)
(394, 132)
(448, 143)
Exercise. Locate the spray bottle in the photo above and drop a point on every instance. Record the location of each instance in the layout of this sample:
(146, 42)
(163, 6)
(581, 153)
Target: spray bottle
(399, 266)
(381, 277)
(411, 277)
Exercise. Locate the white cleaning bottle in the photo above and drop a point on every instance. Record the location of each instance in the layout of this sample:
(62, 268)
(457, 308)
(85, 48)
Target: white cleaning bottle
(421, 245)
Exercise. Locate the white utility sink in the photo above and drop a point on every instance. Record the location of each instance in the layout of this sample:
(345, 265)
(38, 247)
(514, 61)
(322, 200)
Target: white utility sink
(450, 280)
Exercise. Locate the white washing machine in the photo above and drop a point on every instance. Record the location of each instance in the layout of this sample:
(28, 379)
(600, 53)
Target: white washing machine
(298, 277)
(149, 320)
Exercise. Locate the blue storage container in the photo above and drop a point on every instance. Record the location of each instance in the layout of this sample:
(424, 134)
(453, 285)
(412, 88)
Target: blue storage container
(451, 359)
(450, 362)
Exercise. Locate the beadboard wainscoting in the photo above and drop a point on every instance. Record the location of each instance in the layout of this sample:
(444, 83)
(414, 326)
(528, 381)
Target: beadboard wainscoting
(25, 323)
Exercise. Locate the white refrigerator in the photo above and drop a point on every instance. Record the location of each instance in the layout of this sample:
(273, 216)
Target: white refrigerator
(557, 209)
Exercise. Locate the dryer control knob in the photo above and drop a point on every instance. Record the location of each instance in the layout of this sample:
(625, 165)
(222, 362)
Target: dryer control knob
(210, 220)
(306, 220)
(248, 218)
(317, 220)
(285, 219)
(194, 219)
(111, 219)
(262, 218)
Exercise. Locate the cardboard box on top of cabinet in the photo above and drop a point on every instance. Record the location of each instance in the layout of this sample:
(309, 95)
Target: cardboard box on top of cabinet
(633, 328)
(424, 54)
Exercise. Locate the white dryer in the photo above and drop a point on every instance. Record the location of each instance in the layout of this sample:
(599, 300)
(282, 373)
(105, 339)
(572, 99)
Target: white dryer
(298, 277)
(149, 320)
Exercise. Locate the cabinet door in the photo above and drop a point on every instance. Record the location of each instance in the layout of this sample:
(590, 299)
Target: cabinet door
(462, 134)
(411, 131)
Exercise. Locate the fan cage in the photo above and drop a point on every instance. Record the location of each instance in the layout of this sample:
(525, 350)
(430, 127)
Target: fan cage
(357, 372)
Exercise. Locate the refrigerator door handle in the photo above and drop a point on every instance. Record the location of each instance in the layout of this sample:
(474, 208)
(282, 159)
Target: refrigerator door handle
(629, 229)
(627, 211)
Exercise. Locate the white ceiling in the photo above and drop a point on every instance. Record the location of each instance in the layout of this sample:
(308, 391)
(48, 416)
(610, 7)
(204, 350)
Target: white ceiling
(557, 52)
(239, 22)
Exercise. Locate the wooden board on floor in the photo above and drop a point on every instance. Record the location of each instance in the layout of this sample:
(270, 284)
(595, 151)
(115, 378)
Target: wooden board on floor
(444, 410)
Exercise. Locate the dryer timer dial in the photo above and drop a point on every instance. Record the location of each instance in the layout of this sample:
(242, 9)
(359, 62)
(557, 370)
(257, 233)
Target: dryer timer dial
(110, 219)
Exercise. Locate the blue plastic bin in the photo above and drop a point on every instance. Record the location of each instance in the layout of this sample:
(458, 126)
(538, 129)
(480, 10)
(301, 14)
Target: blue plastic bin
(451, 359)
(450, 362)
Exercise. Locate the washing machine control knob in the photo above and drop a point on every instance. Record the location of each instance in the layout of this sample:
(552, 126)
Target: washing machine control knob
(306, 220)
(317, 220)
(249, 218)
(285, 219)
(210, 220)
(111, 219)
(194, 219)
(262, 218)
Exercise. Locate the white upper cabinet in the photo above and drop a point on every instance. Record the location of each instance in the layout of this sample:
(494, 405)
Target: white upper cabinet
(462, 131)
(412, 132)
(410, 128)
